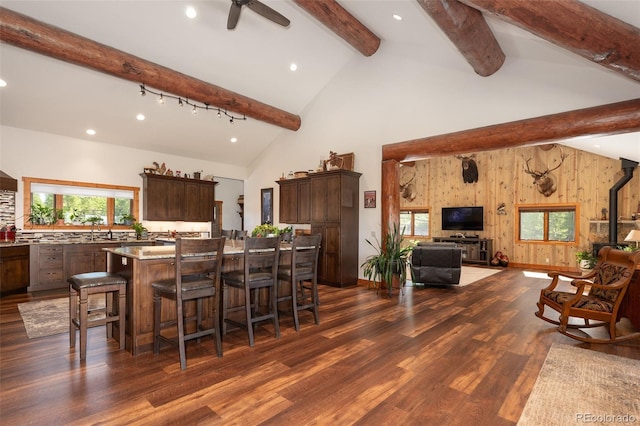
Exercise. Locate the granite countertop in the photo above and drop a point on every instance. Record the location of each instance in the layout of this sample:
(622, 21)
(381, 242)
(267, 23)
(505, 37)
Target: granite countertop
(29, 243)
(169, 252)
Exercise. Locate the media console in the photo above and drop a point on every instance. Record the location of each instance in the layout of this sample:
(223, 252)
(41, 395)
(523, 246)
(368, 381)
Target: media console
(474, 250)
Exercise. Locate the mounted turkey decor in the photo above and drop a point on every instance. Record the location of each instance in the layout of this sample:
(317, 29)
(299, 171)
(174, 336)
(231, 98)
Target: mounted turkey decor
(544, 180)
(469, 168)
(256, 6)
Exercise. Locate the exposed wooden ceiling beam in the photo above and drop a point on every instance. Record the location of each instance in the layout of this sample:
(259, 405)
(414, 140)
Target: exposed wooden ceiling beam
(27, 33)
(573, 25)
(621, 117)
(341, 22)
(469, 32)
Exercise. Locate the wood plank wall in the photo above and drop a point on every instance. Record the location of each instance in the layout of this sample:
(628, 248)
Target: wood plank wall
(584, 178)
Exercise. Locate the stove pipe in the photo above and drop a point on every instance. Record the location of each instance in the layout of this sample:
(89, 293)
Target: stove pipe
(627, 166)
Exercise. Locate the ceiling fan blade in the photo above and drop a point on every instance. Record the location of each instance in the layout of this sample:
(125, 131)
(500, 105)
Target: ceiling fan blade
(234, 14)
(267, 12)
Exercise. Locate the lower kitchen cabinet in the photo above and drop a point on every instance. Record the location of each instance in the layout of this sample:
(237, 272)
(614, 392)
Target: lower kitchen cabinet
(14, 269)
(52, 264)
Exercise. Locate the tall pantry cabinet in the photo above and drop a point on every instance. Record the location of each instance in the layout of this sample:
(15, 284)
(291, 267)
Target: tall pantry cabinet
(333, 213)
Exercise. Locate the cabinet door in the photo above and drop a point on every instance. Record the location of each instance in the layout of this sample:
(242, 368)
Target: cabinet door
(329, 257)
(199, 200)
(304, 202)
(288, 202)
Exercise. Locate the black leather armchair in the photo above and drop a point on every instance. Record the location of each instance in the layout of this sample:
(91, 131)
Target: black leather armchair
(436, 263)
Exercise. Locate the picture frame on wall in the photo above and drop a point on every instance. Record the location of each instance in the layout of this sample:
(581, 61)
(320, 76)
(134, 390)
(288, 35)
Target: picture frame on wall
(266, 205)
(369, 199)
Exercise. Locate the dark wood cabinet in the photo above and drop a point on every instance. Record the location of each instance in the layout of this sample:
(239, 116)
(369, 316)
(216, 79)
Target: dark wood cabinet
(81, 258)
(14, 269)
(329, 202)
(46, 267)
(51, 264)
(169, 198)
(295, 200)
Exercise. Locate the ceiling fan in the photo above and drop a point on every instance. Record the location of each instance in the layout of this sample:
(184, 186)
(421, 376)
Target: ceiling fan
(256, 6)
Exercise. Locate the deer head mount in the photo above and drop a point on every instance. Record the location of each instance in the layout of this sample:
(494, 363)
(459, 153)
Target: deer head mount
(544, 181)
(408, 189)
(469, 168)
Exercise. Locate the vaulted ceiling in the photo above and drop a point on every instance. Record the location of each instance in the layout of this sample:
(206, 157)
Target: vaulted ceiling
(245, 70)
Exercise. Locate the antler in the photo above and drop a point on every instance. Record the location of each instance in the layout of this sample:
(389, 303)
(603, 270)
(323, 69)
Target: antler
(562, 157)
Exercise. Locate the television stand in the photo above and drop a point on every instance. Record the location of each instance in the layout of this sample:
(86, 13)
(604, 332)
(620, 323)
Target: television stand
(474, 250)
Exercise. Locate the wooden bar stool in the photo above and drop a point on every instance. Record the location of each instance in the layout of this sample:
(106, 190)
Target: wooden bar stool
(83, 285)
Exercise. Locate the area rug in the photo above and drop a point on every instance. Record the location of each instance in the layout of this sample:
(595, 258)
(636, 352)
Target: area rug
(48, 317)
(470, 274)
(578, 385)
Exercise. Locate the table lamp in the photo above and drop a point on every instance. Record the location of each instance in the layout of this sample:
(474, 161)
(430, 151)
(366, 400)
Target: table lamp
(634, 235)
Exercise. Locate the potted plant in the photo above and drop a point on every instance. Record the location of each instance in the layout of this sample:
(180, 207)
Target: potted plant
(390, 260)
(44, 215)
(139, 229)
(265, 230)
(586, 260)
(127, 219)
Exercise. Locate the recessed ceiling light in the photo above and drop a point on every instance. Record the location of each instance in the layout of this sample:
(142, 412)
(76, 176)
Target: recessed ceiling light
(91, 132)
(191, 12)
(234, 140)
(2, 83)
(140, 117)
(293, 67)
(397, 17)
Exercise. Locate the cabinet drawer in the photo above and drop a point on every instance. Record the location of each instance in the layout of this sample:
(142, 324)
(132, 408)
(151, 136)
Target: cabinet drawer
(46, 249)
(51, 275)
(48, 261)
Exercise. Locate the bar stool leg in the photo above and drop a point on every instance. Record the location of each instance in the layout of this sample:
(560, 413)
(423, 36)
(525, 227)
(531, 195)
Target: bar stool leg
(73, 311)
(84, 318)
(122, 313)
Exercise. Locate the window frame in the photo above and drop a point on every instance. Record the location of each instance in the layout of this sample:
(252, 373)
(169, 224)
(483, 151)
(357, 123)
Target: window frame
(413, 211)
(28, 181)
(546, 208)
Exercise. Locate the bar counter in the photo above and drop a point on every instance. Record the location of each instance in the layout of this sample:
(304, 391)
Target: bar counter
(142, 265)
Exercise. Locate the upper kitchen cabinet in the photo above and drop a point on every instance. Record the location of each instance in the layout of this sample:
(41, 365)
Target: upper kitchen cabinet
(295, 201)
(169, 198)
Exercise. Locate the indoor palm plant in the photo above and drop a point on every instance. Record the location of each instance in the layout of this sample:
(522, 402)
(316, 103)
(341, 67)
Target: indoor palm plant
(390, 259)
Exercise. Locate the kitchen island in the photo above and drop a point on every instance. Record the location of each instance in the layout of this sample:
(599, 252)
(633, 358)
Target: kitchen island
(142, 265)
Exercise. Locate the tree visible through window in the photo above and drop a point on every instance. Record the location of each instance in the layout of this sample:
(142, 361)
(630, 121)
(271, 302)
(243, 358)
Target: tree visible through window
(415, 222)
(48, 202)
(554, 223)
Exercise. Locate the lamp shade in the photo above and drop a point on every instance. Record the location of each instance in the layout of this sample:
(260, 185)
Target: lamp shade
(634, 235)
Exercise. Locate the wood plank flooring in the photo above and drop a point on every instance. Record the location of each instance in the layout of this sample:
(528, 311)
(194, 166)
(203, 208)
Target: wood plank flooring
(455, 356)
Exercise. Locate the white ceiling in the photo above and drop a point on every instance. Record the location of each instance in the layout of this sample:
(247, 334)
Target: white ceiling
(51, 96)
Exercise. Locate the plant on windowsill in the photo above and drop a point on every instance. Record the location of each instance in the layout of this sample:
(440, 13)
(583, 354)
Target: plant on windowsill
(127, 219)
(44, 215)
(390, 261)
(139, 229)
(586, 260)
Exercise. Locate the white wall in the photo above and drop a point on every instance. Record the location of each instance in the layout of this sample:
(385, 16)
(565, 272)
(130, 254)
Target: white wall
(34, 154)
(414, 98)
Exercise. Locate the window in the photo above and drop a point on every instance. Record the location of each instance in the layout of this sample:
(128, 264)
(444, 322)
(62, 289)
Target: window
(415, 222)
(77, 205)
(555, 223)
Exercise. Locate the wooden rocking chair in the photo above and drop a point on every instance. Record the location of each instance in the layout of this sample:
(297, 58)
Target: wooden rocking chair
(607, 285)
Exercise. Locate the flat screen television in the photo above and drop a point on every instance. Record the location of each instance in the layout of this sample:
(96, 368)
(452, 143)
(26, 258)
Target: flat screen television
(462, 218)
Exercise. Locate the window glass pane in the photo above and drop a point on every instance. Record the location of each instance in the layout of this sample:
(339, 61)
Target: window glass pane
(421, 220)
(562, 226)
(405, 222)
(123, 207)
(79, 208)
(532, 225)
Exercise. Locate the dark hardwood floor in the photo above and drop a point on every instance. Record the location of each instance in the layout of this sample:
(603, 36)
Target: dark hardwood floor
(455, 356)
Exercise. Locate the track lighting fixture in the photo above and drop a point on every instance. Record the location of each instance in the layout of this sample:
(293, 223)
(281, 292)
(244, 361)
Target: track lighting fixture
(194, 107)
